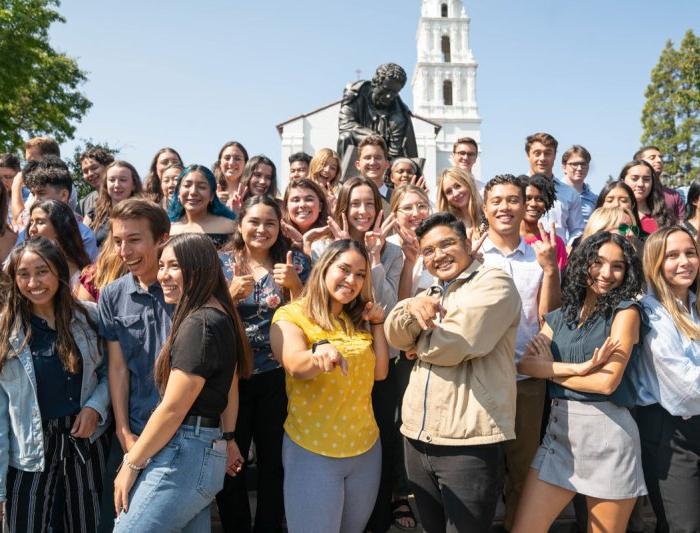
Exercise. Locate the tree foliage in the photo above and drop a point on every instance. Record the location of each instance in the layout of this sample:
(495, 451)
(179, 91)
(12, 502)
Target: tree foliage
(671, 114)
(82, 187)
(39, 87)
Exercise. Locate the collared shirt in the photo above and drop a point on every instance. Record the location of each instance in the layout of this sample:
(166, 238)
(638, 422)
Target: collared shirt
(668, 369)
(527, 274)
(566, 212)
(588, 200)
(140, 321)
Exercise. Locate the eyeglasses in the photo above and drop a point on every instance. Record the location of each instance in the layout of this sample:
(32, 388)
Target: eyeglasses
(580, 164)
(624, 229)
(429, 251)
(470, 155)
(408, 209)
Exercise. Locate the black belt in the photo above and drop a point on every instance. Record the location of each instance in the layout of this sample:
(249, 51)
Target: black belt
(202, 421)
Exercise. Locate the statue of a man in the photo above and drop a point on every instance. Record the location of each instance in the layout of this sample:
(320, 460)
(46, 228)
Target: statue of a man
(374, 107)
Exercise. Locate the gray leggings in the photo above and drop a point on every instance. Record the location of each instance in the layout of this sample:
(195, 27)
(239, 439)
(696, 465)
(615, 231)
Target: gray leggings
(329, 495)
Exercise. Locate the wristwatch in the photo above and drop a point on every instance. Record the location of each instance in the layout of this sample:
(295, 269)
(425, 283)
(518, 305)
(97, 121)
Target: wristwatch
(317, 344)
(228, 435)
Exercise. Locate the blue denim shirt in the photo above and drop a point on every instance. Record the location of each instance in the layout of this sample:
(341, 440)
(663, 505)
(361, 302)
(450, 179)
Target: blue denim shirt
(21, 434)
(140, 321)
(566, 212)
(668, 369)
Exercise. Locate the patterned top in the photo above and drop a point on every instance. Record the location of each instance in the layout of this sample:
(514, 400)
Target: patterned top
(331, 414)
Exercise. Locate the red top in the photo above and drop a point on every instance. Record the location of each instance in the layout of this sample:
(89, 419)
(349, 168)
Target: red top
(648, 223)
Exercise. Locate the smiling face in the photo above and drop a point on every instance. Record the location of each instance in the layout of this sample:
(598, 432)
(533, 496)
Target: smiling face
(464, 156)
(411, 211)
(607, 272)
(372, 163)
(120, 184)
(170, 276)
(168, 181)
(39, 224)
(541, 158)
(504, 209)
(164, 160)
(329, 172)
(298, 170)
(260, 179)
(93, 172)
(361, 209)
(617, 197)
(456, 193)
(260, 227)
(134, 243)
(231, 163)
(36, 280)
(576, 168)
(681, 262)
(303, 207)
(346, 276)
(195, 193)
(402, 173)
(534, 205)
(639, 179)
(445, 253)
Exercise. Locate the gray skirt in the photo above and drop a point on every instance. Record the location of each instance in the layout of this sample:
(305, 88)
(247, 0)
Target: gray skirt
(592, 448)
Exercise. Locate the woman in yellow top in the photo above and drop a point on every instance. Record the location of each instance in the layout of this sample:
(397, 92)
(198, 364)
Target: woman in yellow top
(332, 346)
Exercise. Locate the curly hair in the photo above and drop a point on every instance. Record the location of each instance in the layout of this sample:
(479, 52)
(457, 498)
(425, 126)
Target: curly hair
(542, 184)
(577, 278)
(389, 71)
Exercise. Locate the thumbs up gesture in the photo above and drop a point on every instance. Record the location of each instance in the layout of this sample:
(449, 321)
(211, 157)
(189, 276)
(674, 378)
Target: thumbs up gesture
(285, 275)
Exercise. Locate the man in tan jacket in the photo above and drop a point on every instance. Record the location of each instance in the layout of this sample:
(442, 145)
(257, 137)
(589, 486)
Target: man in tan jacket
(459, 407)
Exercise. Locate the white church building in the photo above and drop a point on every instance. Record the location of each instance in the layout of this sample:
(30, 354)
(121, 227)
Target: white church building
(444, 95)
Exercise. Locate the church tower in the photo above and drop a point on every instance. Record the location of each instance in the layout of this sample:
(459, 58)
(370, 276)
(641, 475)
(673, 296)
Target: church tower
(444, 81)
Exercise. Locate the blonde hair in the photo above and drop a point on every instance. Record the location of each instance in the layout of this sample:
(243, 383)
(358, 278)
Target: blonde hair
(654, 256)
(403, 190)
(607, 217)
(316, 300)
(465, 179)
(109, 266)
(319, 160)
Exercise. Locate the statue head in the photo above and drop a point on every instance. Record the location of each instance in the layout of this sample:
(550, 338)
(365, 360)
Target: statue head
(387, 83)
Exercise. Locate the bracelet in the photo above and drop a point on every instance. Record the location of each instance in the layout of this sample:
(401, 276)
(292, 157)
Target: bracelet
(376, 323)
(133, 467)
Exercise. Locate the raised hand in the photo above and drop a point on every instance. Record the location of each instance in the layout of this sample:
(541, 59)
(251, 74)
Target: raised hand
(419, 182)
(330, 197)
(241, 285)
(476, 244)
(238, 197)
(285, 274)
(339, 232)
(292, 234)
(374, 239)
(409, 245)
(327, 358)
(373, 313)
(546, 249)
(313, 235)
(424, 309)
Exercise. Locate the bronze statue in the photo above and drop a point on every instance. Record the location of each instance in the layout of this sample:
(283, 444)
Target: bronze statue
(374, 107)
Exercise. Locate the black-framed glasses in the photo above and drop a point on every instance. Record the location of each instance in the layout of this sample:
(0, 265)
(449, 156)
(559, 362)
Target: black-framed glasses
(578, 164)
(624, 229)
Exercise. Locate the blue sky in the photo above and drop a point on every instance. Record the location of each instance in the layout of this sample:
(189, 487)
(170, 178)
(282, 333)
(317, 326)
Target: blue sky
(197, 74)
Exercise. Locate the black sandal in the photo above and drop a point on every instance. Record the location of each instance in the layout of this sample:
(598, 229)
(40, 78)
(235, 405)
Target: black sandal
(397, 513)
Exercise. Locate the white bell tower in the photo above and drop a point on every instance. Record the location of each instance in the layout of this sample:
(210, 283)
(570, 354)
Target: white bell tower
(444, 81)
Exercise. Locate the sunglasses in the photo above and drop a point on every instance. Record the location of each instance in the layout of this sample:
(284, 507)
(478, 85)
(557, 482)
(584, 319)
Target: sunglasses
(624, 229)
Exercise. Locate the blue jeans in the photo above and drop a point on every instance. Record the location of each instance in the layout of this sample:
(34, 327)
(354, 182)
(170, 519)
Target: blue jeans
(175, 490)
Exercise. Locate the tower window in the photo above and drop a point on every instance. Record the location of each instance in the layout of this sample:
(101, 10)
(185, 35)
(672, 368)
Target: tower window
(443, 10)
(447, 92)
(445, 45)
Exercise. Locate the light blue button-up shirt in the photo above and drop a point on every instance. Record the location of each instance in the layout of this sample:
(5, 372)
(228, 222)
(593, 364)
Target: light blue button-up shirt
(668, 369)
(588, 201)
(566, 212)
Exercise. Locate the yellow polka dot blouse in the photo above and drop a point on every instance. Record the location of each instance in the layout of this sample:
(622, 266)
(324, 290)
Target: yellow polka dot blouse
(331, 414)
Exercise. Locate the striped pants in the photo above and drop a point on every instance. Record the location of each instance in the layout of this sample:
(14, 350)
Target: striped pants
(76, 465)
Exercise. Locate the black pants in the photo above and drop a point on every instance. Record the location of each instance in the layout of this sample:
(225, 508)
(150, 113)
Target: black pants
(384, 395)
(671, 461)
(75, 464)
(261, 413)
(456, 487)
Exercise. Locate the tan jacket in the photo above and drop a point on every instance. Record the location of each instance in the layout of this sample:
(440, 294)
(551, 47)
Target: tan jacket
(462, 386)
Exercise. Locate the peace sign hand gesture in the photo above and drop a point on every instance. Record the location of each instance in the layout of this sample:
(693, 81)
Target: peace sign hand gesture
(546, 249)
(339, 232)
(374, 240)
(238, 197)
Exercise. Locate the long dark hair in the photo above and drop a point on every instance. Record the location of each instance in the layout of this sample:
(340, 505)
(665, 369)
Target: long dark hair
(577, 278)
(202, 279)
(278, 251)
(611, 185)
(103, 204)
(151, 183)
(17, 308)
(67, 231)
(655, 202)
(4, 204)
(250, 167)
(693, 195)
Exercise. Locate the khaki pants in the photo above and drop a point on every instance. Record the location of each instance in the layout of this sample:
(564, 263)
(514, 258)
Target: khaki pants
(521, 451)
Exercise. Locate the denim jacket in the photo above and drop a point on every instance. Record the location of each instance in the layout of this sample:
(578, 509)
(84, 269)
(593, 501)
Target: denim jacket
(21, 434)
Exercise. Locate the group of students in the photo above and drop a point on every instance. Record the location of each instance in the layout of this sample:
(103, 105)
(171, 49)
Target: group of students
(372, 344)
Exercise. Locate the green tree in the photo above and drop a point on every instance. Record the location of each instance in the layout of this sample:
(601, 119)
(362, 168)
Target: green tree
(83, 188)
(39, 92)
